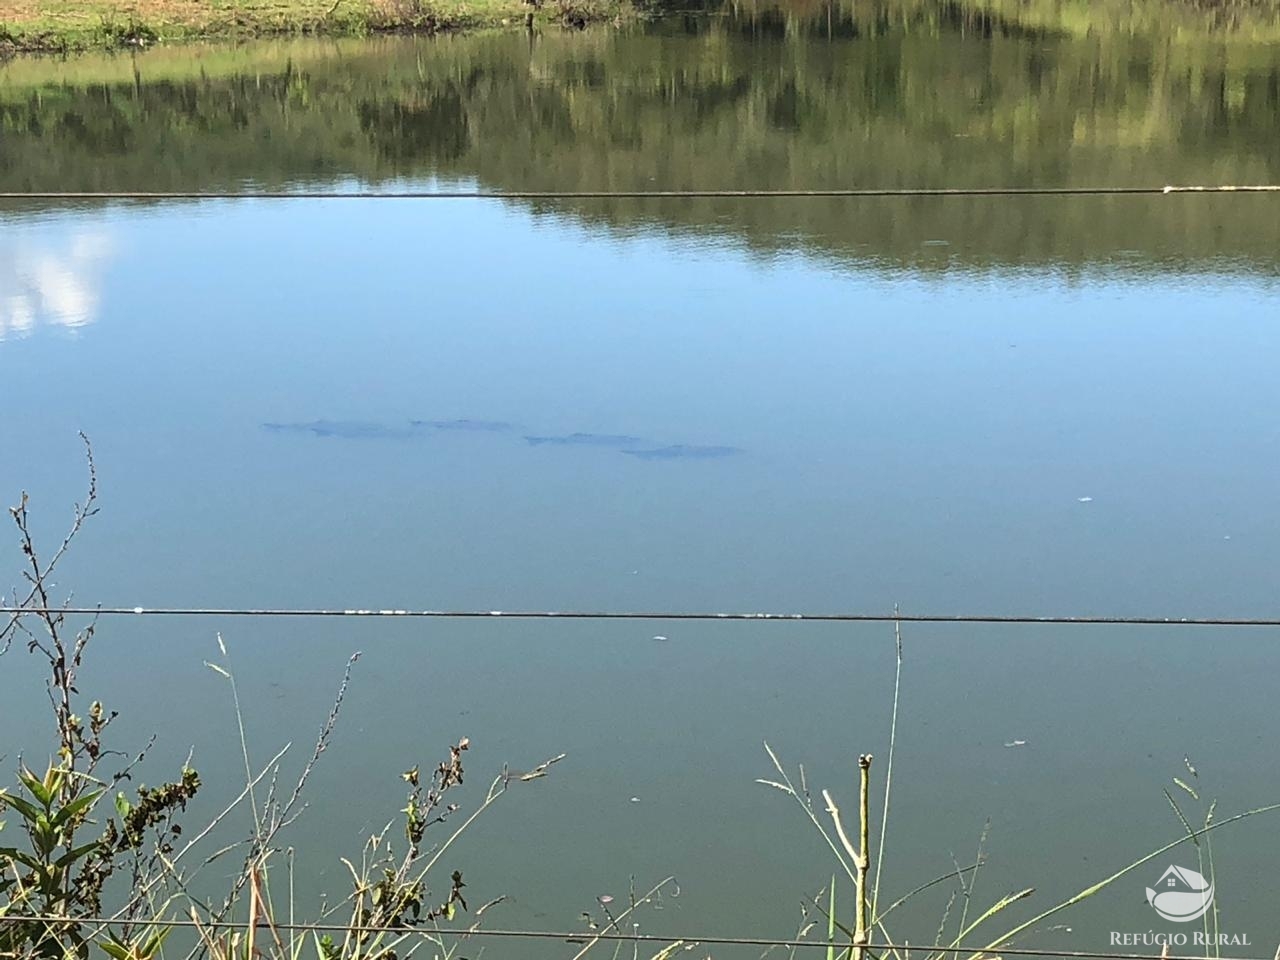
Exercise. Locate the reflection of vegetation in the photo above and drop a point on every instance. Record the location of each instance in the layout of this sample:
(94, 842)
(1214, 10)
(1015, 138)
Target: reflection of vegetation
(743, 100)
(1189, 20)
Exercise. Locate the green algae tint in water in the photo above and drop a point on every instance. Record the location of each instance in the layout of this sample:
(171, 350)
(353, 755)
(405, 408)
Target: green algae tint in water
(1021, 405)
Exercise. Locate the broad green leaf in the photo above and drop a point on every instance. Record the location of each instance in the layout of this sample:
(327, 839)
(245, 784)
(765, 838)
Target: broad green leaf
(13, 853)
(43, 835)
(75, 808)
(71, 856)
(35, 786)
(26, 808)
(53, 780)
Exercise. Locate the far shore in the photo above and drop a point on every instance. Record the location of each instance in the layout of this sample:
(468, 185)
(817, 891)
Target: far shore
(29, 26)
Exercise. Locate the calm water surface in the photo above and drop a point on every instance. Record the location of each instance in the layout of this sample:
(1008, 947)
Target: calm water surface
(1047, 406)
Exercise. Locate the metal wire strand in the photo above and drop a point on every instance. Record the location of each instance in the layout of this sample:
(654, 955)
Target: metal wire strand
(476, 194)
(854, 617)
(580, 936)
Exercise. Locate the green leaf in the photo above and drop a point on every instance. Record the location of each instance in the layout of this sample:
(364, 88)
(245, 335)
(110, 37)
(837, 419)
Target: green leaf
(35, 786)
(26, 808)
(115, 950)
(43, 835)
(153, 943)
(123, 806)
(53, 780)
(71, 856)
(75, 808)
(325, 948)
(13, 853)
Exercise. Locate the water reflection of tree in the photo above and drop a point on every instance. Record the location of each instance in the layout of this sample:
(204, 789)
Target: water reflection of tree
(907, 95)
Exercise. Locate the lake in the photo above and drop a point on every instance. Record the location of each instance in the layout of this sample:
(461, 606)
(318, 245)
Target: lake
(1019, 405)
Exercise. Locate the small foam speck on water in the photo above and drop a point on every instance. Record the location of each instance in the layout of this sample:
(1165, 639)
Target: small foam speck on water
(660, 637)
(1084, 499)
(634, 800)
(1016, 743)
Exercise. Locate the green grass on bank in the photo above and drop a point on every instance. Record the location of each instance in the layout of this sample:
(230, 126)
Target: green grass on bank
(74, 25)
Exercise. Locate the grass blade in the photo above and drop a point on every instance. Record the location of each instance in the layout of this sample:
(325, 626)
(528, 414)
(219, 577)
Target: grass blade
(1106, 882)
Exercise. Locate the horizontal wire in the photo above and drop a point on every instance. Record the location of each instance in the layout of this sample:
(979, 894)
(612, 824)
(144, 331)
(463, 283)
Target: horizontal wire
(577, 936)
(636, 194)
(1143, 621)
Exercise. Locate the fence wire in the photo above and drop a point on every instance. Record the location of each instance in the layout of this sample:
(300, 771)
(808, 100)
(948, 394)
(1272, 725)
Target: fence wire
(852, 617)
(579, 937)
(707, 194)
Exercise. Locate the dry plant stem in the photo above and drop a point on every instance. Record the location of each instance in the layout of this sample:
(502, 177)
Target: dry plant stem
(968, 888)
(170, 872)
(860, 855)
(274, 817)
(888, 772)
(959, 872)
(787, 787)
(861, 930)
(38, 591)
(624, 914)
(244, 741)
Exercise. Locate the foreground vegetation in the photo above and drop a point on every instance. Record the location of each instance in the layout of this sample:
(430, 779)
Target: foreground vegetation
(93, 863)
(75, 25)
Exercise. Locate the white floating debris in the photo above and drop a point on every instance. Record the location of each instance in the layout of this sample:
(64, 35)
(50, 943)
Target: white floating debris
(635, 800)
(1016, 743)
(659, 637)
(137, 609)
(1084, 499)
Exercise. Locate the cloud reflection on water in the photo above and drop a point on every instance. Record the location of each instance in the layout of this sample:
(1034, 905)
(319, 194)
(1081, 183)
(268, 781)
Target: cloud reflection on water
(50, 284)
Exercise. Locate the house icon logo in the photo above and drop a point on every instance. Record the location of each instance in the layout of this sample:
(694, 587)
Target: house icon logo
(1181, 895)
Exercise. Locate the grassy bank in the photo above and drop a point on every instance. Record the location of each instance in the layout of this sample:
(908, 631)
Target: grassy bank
(74, 25)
